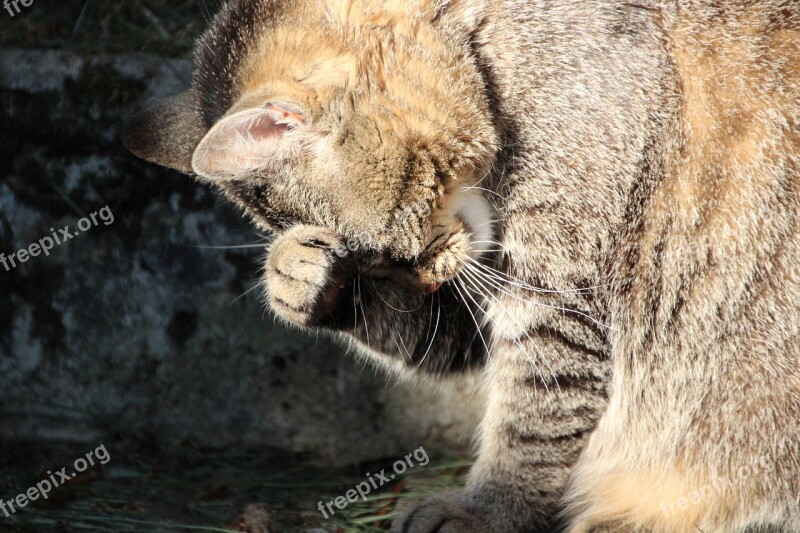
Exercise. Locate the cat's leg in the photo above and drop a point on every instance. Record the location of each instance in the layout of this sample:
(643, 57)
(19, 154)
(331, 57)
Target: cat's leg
(305, 277)
(547, 373)
(547, 388)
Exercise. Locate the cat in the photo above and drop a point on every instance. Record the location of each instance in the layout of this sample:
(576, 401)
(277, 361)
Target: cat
(596, 203)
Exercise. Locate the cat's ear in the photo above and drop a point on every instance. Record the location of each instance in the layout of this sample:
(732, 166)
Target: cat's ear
(247, 142)
(167, 132)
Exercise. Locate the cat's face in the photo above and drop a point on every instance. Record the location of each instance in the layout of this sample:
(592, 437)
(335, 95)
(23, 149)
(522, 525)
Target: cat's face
(365, 117)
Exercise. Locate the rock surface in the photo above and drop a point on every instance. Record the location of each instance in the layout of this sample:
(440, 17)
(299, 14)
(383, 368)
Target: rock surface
(143, 326)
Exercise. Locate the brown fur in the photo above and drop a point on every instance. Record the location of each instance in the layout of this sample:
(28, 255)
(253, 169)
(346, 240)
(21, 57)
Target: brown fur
(634, 288)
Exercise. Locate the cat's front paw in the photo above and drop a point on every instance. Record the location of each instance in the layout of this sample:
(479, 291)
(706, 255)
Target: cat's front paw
(440, 515)
(309, 278)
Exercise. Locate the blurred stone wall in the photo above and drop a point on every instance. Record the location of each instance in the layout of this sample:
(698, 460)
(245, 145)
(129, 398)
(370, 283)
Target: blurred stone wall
(145, 326)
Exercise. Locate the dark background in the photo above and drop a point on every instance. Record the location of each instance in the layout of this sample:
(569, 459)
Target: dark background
(149, 335)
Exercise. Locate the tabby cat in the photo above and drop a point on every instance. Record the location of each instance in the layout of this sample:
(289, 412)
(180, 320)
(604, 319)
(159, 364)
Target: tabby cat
(596, 201)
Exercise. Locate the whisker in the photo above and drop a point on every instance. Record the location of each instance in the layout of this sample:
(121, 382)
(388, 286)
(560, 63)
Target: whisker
(405, 348)
(390, 306)
(248, 291)
(498, 286)
(436, 327)
(485, 190)
(497, 301)
(430, 319)
(486, 174)
(527, 354)
(522, 284)
(239, 247)
(363, 311)
(492, 222)
(356, 301)
(495, 247)
(474, 319)
(495, 243)
(495, 283)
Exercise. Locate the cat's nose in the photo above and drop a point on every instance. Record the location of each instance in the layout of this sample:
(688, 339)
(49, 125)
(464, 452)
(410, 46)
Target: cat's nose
(433, 287)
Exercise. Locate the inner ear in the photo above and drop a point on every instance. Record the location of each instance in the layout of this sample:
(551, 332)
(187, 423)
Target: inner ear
(167, 132)
(248, 141)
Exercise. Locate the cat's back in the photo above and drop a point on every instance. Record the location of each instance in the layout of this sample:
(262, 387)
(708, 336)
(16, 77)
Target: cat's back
(729, 70)
(739, 68)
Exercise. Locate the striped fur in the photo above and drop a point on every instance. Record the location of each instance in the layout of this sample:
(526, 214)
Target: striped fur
(636, 306)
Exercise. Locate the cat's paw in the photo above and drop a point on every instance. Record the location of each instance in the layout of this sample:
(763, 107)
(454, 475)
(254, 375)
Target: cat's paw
(308, 276)
(440, 515)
